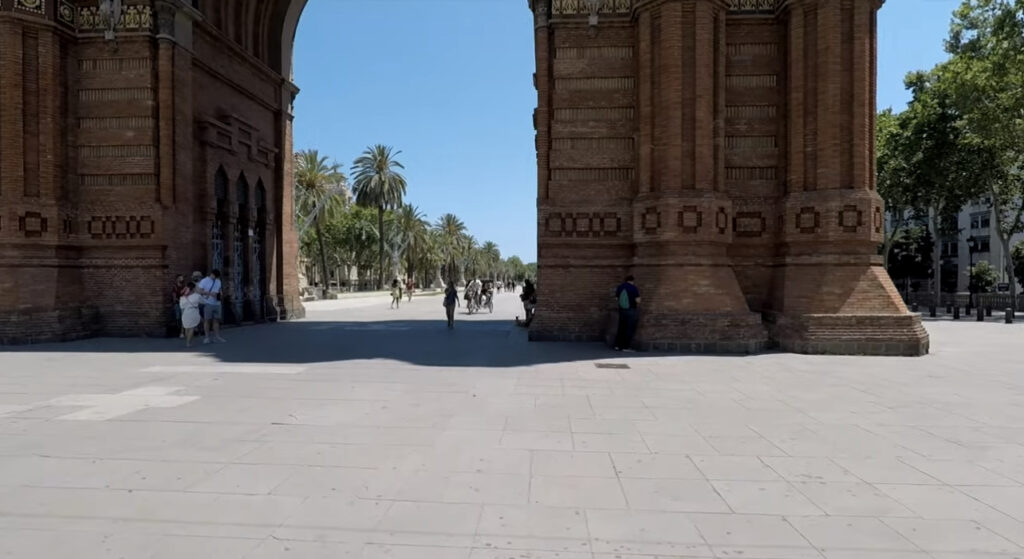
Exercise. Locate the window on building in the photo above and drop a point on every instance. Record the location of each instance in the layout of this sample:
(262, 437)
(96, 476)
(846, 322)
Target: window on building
(950, 249)
(984, 244)
(981, 221)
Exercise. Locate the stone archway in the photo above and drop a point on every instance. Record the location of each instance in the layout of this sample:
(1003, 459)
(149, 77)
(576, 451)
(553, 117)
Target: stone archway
(721, 148)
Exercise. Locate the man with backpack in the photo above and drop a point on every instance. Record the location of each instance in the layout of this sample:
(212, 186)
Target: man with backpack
(628, 297)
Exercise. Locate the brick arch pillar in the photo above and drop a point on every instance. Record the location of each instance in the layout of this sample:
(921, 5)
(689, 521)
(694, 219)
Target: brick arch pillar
(683, 218)
(830, 292)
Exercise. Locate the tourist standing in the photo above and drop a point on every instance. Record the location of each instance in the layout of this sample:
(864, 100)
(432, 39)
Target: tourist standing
(197, 277)
(188, 305)
(177, 291)
(210, 289)
(451, 298)
(396, 294)
(628, 298)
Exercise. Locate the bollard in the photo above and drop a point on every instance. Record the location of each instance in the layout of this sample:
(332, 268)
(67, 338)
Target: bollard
(914, 307)
(988, 310)
(968, 309)
(1008, 316)
(956, 312)
(949, 308)
(932, 311)
(981, 314)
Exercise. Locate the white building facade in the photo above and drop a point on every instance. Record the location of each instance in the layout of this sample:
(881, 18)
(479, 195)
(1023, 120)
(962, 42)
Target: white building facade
(976, 220)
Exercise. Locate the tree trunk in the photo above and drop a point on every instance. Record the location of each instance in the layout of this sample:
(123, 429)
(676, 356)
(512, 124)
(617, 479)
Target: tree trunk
(1004, 242)
(936, 259)
(380, 238)
(890, 238)
(323, 259)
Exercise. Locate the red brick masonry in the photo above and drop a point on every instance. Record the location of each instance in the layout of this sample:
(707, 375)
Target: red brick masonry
(723, 152)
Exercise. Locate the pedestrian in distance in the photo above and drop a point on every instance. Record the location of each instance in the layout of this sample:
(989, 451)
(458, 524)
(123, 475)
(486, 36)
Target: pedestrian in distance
(213, 313)
(451, 298)
(189, 303)
(627, 297)
(396, 294)
(177, 292)
(410, 285)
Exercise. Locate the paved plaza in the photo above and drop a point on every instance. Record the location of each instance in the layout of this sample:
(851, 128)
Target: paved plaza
(364, 432)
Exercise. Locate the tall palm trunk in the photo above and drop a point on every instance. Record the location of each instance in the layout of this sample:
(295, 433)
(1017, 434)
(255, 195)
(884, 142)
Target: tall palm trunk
(380, 238)
(323, 257)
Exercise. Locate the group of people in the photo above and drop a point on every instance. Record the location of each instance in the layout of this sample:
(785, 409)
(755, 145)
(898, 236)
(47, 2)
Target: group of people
(397, 292)
(197, 304)
(198, 308)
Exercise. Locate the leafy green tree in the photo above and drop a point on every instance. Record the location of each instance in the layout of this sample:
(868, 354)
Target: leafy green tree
(896, 186)
(320, 194)
(516, 269)
(1017, 254)
(986, 81)
(984, 277)
(379, 184)
(943, 165)
(911, 255)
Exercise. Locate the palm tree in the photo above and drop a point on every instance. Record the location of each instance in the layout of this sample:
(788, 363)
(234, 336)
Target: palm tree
(413, 228)
(428, 259)
(491, 257)
(470, 257)
(451, 239)
(320, 193)
(378, 184)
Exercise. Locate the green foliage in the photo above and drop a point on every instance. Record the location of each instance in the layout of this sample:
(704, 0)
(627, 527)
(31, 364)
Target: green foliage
(984, 277)
(347, 236)
(320, 194)
(985, 79)
(451, 244)
(1017, 253)
(378, 183)
(911, 256)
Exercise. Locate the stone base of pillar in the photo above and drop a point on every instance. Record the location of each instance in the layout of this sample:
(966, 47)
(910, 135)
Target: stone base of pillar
(681, 332)
(44, 326)
(844, 334)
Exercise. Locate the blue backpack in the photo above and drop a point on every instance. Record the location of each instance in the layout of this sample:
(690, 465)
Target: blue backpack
(624, 298)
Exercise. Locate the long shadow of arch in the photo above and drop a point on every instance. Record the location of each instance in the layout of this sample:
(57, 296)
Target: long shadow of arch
(473, 343)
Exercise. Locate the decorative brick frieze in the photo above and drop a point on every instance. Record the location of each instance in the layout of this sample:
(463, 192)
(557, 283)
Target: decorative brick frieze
(585, 7)
(121, 227)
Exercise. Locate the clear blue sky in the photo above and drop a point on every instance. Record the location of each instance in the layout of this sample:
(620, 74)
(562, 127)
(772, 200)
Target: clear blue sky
(449, 82)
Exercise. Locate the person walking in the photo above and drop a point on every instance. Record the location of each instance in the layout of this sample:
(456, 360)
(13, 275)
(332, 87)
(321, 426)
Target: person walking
(396, 294)
(451, 298)
(529, 299)
(628, 297)
(409, 287)
(210, 289)
(188, 304)
(177, 292)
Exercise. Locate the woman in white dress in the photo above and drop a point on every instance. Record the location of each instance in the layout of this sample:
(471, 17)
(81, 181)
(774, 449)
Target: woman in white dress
(190, 312)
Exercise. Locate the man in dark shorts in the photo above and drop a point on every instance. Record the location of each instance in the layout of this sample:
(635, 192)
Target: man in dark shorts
(627, 298)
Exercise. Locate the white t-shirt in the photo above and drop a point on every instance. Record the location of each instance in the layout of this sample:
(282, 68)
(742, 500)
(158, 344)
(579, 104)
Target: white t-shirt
(212, 286)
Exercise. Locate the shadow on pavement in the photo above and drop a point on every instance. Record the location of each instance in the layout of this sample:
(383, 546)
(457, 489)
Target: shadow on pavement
(474, 342)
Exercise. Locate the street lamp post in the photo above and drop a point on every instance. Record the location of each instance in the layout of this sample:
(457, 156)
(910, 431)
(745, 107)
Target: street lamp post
(972, 247)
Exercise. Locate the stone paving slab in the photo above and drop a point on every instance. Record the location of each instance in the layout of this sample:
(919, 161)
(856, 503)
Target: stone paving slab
(364, 432)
